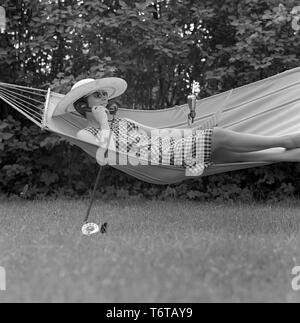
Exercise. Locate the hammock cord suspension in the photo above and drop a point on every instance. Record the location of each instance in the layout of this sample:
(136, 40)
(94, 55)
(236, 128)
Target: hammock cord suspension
(30, 102)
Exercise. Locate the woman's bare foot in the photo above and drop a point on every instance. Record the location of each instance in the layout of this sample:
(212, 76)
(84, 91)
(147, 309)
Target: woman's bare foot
(291, 155)
(292, 141)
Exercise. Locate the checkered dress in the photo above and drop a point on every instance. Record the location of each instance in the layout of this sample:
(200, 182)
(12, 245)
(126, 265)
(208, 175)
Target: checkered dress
(192, 151)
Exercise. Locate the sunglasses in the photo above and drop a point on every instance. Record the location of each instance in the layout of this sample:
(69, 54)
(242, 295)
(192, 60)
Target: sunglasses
(100, 94)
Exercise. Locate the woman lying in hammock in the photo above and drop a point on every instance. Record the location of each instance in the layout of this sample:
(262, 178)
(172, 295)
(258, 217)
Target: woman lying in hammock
(195, 152)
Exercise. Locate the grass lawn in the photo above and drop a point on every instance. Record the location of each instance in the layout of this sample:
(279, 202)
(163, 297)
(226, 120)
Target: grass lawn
(173, 251)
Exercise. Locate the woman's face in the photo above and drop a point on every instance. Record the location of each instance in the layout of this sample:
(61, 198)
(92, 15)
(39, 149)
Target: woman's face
(98, 98)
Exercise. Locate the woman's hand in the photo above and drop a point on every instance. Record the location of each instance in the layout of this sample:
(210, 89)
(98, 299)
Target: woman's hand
(100, 113)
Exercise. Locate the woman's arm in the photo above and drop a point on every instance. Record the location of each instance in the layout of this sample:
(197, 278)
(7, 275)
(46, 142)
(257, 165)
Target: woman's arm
(100, 114)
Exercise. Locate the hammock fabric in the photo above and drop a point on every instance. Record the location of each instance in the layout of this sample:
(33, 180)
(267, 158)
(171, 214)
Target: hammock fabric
(267, 107)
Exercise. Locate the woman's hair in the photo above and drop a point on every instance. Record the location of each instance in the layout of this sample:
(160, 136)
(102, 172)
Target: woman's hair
(81, 105)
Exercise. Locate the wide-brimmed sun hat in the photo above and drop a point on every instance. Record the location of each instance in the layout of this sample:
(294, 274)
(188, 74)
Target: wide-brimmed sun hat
(114, 86)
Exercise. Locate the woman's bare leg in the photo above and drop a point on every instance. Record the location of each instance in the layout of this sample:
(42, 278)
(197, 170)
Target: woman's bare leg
(242, 142)
(227, 156)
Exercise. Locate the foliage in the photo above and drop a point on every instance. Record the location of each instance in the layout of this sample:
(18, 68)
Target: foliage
(33, 163)
(160, 48)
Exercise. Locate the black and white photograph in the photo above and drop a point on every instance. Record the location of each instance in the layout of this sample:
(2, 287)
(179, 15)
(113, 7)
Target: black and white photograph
(149, 154)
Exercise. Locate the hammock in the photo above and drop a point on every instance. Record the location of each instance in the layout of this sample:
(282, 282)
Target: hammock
(267, 107)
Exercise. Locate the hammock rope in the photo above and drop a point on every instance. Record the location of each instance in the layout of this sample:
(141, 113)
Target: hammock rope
(9, 92)
(34, 116)
(30, 106)
(29, 101)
